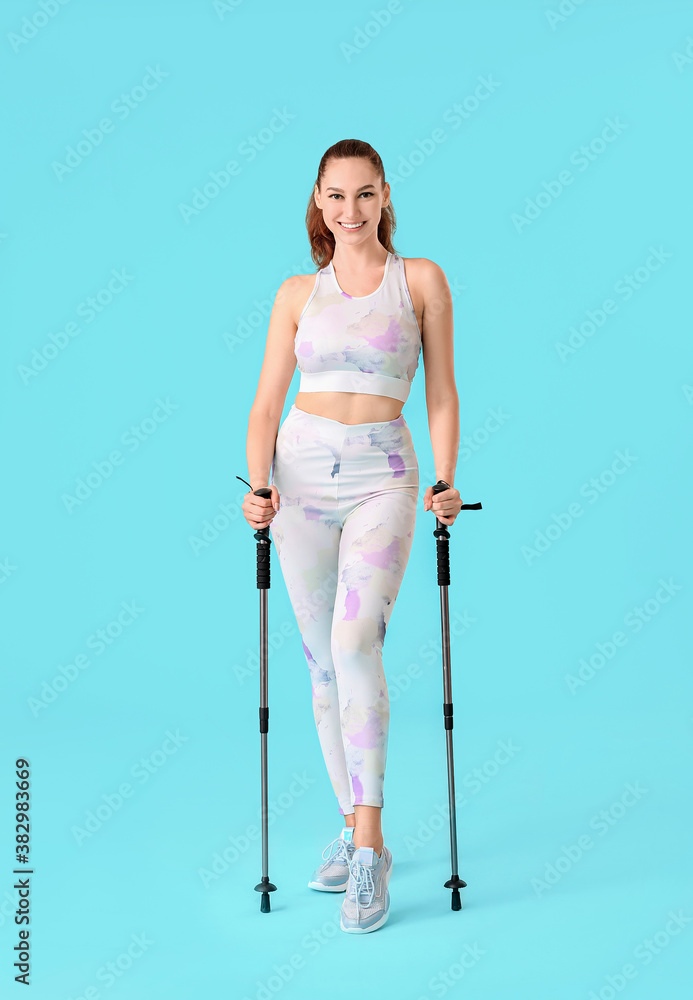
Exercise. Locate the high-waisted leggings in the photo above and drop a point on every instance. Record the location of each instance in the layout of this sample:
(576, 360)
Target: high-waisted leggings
(343, 534)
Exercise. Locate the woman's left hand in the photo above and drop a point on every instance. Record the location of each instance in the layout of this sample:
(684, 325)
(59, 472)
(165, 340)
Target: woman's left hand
(446, 505)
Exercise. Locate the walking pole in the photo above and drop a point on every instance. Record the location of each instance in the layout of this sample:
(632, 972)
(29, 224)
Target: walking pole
(263, 582)
(442, 547)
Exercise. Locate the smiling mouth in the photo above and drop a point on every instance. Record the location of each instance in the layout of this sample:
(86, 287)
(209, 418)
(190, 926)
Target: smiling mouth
(353, 227)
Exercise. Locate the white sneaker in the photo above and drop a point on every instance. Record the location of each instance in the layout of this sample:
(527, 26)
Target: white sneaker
(366, 905)
(333, 874)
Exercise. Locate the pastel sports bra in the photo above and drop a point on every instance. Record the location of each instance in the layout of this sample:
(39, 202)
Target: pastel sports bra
(359, 343)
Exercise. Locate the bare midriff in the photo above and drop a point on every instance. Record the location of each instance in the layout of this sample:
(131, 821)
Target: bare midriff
(349, 407)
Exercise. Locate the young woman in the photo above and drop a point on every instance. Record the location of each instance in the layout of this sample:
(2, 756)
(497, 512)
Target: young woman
(345, 481)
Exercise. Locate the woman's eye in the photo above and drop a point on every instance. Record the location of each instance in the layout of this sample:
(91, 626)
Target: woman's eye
(369, 193)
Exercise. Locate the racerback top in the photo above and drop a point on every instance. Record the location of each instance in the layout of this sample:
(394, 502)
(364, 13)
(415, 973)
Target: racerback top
(359, 343)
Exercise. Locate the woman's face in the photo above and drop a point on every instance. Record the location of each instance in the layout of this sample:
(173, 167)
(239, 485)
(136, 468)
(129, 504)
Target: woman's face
(351, 193)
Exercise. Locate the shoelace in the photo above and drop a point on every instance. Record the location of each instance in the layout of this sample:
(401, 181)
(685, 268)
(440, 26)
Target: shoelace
(362, 876)
(341, 850)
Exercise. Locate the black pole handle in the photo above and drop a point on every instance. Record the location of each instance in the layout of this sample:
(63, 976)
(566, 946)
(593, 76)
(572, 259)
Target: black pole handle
(442, 485)
(263, 547)
(263, 542)
(443, 537)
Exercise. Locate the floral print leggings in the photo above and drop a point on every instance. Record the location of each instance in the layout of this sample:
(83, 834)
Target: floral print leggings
(343, 534)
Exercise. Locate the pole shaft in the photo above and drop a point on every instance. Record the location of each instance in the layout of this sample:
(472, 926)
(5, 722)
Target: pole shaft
(264, 711)
(447, 696)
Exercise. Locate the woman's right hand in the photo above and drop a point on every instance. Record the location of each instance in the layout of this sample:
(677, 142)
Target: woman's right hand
(260, 511)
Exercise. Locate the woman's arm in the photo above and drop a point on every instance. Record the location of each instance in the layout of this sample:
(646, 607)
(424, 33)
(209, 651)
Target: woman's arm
(442, 401)
(277, 370)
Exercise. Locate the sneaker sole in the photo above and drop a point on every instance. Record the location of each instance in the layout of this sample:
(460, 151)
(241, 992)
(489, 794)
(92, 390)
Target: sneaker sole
(378, 923)
(328, 888)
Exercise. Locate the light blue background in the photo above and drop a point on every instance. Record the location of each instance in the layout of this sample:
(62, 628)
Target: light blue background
(189, 327)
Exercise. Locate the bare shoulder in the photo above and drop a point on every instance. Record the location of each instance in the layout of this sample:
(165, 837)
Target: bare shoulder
(427, 277)
(293, 293)
(424, 268)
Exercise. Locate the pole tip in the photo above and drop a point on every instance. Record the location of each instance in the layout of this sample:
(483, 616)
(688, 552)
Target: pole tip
(265, 903)
(456, 902)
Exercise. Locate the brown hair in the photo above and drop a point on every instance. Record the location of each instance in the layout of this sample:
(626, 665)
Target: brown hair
(321, 239)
